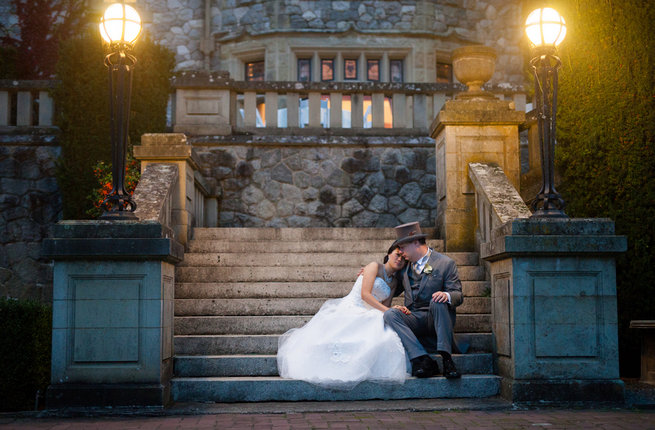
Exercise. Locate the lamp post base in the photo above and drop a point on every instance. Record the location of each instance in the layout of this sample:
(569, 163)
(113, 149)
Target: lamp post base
(549, 213)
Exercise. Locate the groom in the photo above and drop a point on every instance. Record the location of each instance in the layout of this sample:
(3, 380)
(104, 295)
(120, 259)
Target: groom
(432, 292)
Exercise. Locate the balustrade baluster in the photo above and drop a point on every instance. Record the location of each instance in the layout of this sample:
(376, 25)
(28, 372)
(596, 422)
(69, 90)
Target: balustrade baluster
(271, 109)
(420, 111)
(292, 109)
(357, 110)
(398, 107)
(314, 109)
(24, 109)
(5, 108)
(45, 109)
(336, 103)
(377, 110)
(250, 109)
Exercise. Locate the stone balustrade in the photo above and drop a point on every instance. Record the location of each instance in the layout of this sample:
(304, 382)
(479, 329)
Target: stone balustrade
(26, 103)
(214, 104)
(496, 200)
(193, 200)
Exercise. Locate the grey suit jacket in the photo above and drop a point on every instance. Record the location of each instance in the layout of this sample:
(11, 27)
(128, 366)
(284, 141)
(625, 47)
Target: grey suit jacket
(443, 277)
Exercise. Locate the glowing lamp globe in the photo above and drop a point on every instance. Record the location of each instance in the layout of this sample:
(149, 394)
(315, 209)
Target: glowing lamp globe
(120, 24)
(545, 27)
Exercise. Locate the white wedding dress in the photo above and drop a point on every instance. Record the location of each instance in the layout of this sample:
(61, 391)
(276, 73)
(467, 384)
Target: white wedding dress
(345, 343)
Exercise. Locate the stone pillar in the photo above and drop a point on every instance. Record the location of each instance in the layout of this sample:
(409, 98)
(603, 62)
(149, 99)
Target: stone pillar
(112, 335)
(173, 148)
(471, 130)
(554, 314)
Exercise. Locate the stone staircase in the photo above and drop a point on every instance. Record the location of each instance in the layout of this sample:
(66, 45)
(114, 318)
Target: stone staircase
(238, 289)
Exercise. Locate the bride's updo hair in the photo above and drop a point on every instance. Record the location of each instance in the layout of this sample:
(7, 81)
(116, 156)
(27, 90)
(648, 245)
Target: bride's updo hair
(391, 249)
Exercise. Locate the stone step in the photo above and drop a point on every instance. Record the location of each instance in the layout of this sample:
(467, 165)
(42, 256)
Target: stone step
(260, 290)
(291, 274)
(330, 259)
(272, 388)
(267, 344)
(268, 246)
(290, 306)
(278, 324)
(266, 365)
(299, 234)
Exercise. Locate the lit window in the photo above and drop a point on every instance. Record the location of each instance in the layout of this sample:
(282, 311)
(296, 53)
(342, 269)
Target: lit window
(396, 70)
(350, 70)
(444, 73)
(255, 71)
(327, 70)
(373, 70)
(304, 69)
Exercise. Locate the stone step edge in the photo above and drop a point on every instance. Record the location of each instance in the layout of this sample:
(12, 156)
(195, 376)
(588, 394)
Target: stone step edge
(271, 388)
(246, 356)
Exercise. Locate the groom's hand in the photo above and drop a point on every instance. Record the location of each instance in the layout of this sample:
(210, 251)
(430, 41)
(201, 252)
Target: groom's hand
(440, 297)
(403, 309)
(361, 272)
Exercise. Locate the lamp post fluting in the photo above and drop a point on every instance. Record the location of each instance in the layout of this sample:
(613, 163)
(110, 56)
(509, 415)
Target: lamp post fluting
(546, 29)
(120, 27)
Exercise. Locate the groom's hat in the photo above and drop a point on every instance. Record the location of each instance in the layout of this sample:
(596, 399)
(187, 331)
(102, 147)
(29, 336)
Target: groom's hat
(408, 233)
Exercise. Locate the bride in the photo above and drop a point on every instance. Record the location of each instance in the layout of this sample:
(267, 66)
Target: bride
(346, 342)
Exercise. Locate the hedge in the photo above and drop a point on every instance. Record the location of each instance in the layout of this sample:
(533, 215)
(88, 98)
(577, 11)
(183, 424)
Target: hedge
(605, 149)
(25, 345)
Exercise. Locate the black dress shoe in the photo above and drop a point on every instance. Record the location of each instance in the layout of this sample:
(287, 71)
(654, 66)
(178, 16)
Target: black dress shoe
(424, 367)
(449, 369)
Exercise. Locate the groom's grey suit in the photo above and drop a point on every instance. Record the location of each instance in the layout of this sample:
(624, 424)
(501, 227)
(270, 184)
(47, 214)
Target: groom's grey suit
(428, 319)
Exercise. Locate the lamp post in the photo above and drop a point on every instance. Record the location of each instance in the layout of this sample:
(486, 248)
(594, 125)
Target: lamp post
(120, 26)
(546, 29)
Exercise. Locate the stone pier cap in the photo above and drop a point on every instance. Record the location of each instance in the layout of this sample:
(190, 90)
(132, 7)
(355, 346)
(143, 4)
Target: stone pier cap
(99, 239)
(548, 236)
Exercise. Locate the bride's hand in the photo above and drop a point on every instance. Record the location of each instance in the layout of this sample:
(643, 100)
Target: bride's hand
(361, 272)
(402, 309)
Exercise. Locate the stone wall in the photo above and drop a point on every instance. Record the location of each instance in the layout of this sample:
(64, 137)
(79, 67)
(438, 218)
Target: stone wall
(29, 204)
(337, 186)
(180, 25)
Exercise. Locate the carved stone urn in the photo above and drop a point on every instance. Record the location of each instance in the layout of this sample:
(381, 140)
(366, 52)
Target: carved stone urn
(473, 66)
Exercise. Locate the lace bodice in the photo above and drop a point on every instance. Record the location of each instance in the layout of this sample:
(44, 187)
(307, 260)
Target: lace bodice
(380, 291)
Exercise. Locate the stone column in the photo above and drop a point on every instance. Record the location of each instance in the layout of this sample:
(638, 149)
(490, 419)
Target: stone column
(471, 130)
(554, 314)
(173, 148)
(474, 128)
(113, 291)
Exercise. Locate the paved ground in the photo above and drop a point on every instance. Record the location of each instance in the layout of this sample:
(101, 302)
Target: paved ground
(530, 419)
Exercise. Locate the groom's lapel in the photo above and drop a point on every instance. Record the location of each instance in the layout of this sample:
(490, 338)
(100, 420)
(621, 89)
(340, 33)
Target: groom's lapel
(408, 288)
(425, 276)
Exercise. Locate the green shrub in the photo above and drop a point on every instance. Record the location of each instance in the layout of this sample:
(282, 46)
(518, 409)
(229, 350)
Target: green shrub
(83, 111)
(605, 148)
(25, 345)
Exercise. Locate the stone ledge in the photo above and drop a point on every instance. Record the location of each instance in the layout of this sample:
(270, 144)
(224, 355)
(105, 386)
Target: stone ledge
(561, 226)
(91, 229)
(165, 249)
(294, 140)
(552, 245)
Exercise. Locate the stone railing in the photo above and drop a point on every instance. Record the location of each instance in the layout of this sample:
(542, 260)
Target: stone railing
(154, 194)
(214, 104)
(193, 201)
(496, 200)
(26, 103)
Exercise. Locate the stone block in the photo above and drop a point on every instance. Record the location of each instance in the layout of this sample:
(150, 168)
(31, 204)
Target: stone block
(554, 310)
(111, 311)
